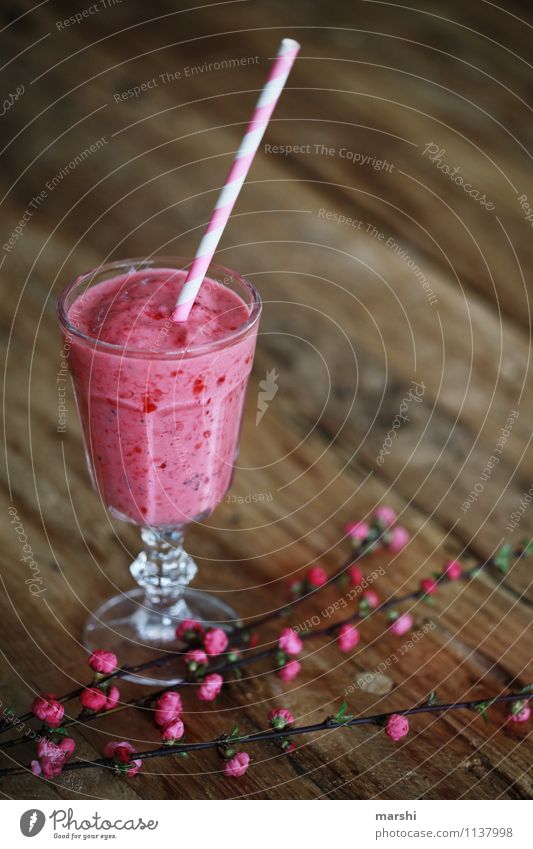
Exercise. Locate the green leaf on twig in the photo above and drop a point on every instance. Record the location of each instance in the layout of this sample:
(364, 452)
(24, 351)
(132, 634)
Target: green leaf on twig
(341, 715)
(527, 546)
(281, 658)
(483, 707)
(364, 607)
(432, 698)
(234, 734)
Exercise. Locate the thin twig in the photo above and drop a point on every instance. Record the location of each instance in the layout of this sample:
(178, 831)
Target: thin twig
(84, 718)
(167, 657)
(291, 731)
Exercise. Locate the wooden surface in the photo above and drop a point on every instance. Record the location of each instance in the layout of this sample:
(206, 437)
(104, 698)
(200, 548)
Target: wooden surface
(347, 325)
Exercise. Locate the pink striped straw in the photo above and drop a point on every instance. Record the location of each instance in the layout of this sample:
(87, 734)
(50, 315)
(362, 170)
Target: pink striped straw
(241, 165)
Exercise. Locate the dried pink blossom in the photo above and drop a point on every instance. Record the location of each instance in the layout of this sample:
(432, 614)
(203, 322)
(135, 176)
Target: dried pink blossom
(48, 709)
(371, 598)
(397, 726)
(399, 537)
(113, 696)
(279, 718)
(386, 516)
(237, 765)
(167, 707)
(173, 730)
(402, 625)
(348, 637)
(195, 658)
(316, 576)
(92, 698)
(355, 576)
(121, 752)
(215, 641)
(289, 671)
(357, 531)
(189, 630)
(52, 757)
(104, 662)
(429, 586)
(453, 570)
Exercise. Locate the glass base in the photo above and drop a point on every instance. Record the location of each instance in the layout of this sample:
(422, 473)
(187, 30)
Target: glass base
(130, 628)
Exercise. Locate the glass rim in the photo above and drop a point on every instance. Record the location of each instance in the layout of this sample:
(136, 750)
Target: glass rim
(178, 263)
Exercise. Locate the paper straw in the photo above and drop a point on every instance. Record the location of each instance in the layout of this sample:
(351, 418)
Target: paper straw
(236, 177)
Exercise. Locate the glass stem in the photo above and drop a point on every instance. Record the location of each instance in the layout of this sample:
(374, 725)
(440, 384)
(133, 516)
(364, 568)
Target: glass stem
(163, 569)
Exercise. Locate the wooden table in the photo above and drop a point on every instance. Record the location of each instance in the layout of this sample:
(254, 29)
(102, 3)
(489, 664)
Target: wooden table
(378, 268)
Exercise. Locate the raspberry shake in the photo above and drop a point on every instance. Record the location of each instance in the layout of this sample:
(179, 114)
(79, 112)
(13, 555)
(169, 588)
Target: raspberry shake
(160, 403)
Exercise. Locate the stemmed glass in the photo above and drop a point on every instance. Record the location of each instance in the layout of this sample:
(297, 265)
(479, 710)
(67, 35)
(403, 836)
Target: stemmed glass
(161, 431)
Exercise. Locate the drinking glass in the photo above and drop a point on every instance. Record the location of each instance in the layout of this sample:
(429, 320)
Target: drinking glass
(161, 430)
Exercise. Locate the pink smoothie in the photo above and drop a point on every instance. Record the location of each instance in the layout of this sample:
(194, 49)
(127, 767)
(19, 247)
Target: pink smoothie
(161, 433)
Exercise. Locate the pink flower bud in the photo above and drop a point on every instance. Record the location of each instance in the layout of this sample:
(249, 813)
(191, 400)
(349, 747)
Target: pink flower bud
(355, 576)
(290, 642)
(118, 750)
(371, 598)
(173, 730)
(401, 625)
(189, 630)
(104, 662)
(453, 570)
(399, 537)
(386, 516)
(93, 699)
(316, 576)
(48, 710)
(167, 707)
(67, 745)
(197, 657)
(237, 765)
(215, 641)
(429, 586)
(121, 753)
(280, 717)
(348, 637)
(289, 671)
(113, 696)
(357, 531)
(210, 687)
(397, 726)
(52, 757)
